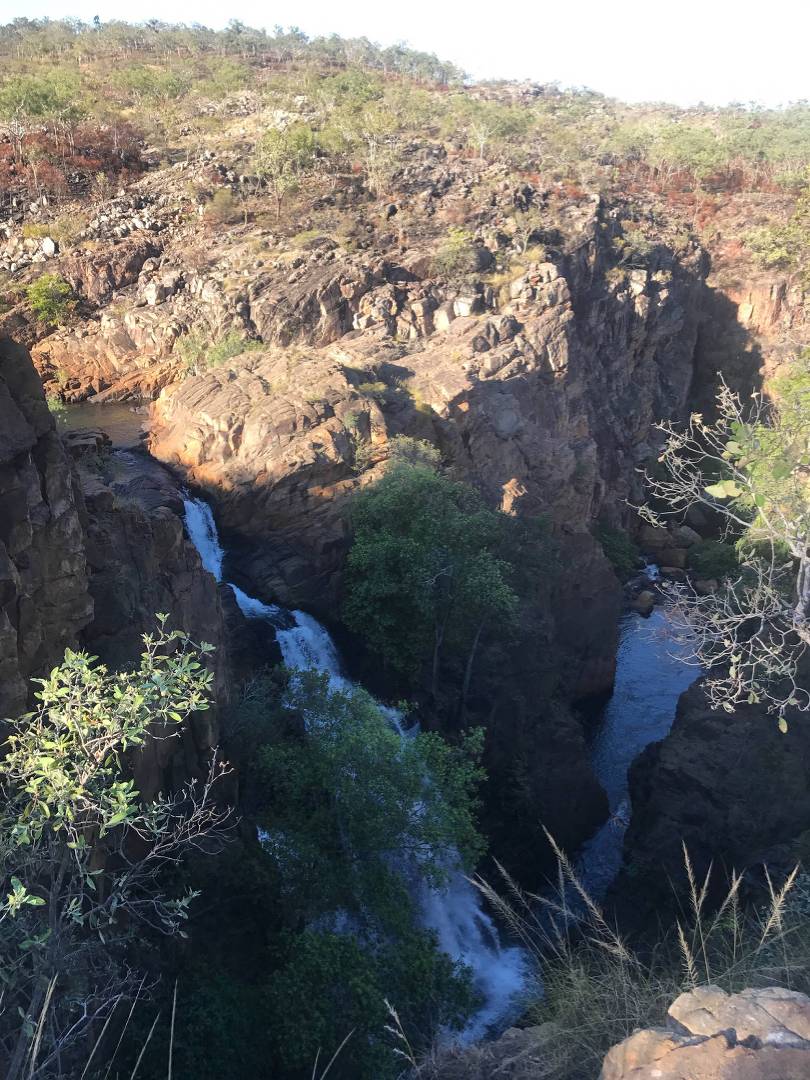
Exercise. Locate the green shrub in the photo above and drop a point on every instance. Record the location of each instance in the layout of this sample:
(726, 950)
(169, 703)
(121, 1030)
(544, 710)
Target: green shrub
(50, 298)
(224, 207)
(619, 550)
(713, 559)
(199, 353)
(455, 258)
(57, 406)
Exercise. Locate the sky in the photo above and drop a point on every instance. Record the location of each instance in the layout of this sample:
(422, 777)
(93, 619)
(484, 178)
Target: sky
(715, 51)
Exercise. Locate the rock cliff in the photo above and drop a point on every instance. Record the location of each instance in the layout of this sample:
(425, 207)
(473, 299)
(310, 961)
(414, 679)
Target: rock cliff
(545, 399)
(733, 789)
(44, 597)
(92, 545)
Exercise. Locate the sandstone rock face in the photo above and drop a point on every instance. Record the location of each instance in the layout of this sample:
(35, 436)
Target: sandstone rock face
(712, 1035)
(141, 562)
(733, 788)
(275, 442)
(96, 277)
(44, 598)
(546, 405)
(88, 561)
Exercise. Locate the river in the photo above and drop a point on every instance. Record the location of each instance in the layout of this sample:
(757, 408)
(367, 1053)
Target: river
(651, 674)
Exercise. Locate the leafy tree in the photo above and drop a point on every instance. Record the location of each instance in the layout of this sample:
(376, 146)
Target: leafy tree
(282, 156)
(82, 856)
(353, 805)
(749, 467)
(333, 993)
(50, 298)
(423, 574)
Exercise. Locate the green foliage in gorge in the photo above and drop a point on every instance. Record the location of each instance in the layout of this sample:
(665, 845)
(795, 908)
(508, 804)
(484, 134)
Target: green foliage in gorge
(424, 577)
(349, 795)
(312, 930)
(50, 298)
(75, 893)
(200, 353)
(619, 549)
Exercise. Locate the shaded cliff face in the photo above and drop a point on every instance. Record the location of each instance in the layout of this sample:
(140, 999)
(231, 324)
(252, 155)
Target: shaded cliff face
(732, 788)
(141, 562)
(44, 597)
(90, 550)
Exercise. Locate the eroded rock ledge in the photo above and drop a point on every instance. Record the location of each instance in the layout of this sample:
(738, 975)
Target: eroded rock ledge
(708, 1035)
(711, 1035)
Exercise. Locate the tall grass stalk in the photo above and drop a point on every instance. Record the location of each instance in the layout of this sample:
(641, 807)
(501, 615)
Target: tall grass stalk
(598, 988)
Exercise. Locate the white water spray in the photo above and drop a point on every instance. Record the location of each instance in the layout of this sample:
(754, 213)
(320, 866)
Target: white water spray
(464, 930)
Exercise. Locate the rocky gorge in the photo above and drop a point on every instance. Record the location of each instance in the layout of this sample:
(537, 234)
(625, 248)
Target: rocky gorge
(531, 332)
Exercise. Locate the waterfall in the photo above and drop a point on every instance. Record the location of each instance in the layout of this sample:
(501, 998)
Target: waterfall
(464, 930)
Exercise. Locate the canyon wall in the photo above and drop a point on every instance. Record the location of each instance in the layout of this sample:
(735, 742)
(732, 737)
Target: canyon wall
(91, 547)
(44, 598)
(545, 399)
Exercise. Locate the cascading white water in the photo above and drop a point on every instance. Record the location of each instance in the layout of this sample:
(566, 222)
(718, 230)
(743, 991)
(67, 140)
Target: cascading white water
(464, 930)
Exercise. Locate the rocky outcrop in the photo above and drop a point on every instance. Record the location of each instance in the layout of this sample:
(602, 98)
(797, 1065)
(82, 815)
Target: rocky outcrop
(141, 562)
(547, 406)
(95, 276)
(709, 1035)
(90, 550)
(44, 597)
(712, 1035)
(732, 788)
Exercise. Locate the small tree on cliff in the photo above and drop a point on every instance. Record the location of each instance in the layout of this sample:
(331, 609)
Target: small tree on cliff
(283, 155)
(81, 854)
(424, 576)
(751, 466)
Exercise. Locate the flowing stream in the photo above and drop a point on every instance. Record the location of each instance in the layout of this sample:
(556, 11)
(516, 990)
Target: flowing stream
(464, 930)
(650, 677)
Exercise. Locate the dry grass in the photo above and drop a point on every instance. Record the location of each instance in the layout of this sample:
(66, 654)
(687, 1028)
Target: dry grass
(597, 990)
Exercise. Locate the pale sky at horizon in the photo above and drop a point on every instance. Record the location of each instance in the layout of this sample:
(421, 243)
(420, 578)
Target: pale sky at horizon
(716, 51)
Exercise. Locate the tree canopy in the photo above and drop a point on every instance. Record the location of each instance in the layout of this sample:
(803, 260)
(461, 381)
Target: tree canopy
(424, 574)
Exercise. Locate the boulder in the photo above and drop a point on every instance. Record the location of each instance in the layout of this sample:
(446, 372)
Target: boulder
(707, 587)
(644, 602)
(685, 537)
(653, 540)
(673, 557)
(711, 1035)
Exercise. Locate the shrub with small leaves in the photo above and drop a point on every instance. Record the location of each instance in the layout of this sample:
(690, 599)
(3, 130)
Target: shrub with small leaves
(51, 299)
(83, 857)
